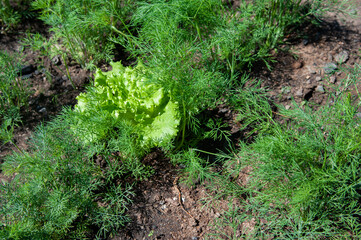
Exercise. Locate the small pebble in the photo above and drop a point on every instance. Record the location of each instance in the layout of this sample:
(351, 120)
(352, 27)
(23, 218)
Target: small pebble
(27, 70)
(26, 76)
(329, 57)
(285, 90)
(332, 79)
(311, 70)
(297, 65)
(299, 93)
(330, 67)
(318, 78)
(56, 60)
(320, 88)
(287, 107)
(342, 57)
(32, 101)
(358, 115)
(42, 110)
(353, 11)
(192, 222)
(182, 165)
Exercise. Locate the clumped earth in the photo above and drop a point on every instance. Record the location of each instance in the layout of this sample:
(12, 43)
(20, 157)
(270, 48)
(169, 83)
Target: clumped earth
(164, 207)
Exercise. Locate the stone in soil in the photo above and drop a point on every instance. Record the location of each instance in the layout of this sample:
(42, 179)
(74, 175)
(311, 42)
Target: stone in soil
(330, 68)
(342, 57)
(297, 65)
(56, 60)
(320, 89)
(26, 76)
(333, 79)
(299, 92)
(26, 70)
(42, 110)
(311, 70)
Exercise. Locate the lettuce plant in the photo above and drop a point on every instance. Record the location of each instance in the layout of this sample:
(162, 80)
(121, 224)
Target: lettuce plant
(124, 94)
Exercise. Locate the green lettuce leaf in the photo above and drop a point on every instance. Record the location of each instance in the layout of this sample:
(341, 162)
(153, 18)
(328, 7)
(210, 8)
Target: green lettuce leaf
(125, 94)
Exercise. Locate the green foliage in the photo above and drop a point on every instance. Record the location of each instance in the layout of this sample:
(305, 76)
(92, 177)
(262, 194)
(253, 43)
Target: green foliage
(40, 44)
(217, 130)
(12, 87)
(9, 18)
(47, 48)
(60, 189)
(320, 7)
(170, 42)
(248, 35)
(211, 33)
(192, 43)
(252, 105)
(195, 168)
(13, 94)
(181, 18)
(123, 94)
(304, 178)
(12, 13)
(83, 27)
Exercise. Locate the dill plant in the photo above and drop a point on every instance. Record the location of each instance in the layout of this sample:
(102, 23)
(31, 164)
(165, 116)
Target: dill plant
(8, 16)
(199, 47)
(11, 14)
(83, 27)
(14, 94)
(171, 40)
(13, 88)
(250, 33)
(59, 189)
(187, 43)
(304, 178)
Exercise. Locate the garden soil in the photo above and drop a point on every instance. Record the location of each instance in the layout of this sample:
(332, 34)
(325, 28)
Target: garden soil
(164, 207)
